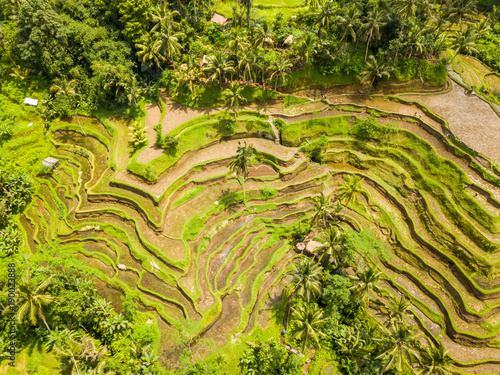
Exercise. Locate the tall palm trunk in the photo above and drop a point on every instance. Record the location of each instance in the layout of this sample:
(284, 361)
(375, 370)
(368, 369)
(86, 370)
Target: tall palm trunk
(46, 325)
(243, 177)
(368, 45)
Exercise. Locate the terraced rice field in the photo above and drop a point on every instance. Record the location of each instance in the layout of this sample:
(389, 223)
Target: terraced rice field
(192, 250)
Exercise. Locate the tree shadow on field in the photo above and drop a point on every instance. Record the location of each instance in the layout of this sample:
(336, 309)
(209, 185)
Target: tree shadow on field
(228, 200)
(225, 127)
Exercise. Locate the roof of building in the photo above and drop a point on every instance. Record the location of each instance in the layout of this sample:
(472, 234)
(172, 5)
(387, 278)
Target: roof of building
(289, 39)
(50, 162)
(217, 18)
(30, 101)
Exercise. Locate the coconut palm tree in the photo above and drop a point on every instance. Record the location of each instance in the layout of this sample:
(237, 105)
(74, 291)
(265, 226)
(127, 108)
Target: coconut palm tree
(308, 319)
(322, 208)
(349, 21)
(31, 300)
(395, 311)
(464, 41)
(332, 251)
(371, 27)
(494, 15)
(306, 47)
(326, 13)
(238, 40)
(163, 18)
(354, 348)
(281, 71)
(375, 70)
(462, 9)
(434, 360)
(218, 66)
(264, 35)
(407, 9)
(248, 65)
(306, 279)
(350, 190)
(61, 86)
(244, 157)
(365, 283)
(148, 51)
(233, 97)
(167, 43)
(402, 348)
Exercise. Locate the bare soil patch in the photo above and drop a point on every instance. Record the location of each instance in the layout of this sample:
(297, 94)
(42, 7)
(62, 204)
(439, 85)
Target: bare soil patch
(471, 119)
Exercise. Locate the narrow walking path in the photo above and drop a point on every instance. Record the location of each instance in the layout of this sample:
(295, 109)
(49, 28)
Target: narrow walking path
(275, 130)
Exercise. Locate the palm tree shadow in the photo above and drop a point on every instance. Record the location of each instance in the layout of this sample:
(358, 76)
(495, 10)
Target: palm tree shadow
(34, 344)
(228, 200)
(67, 136)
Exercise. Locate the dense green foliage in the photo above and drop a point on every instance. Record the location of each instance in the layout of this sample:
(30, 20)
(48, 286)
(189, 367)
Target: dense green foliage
(82, 56)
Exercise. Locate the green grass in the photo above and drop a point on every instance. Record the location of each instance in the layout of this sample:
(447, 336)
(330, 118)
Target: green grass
(187, 196)
(311, 76)
(268, 8)
(196, 136)
(294, 133)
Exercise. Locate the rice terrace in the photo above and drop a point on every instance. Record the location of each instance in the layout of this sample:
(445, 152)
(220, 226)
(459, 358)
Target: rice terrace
(269, 187)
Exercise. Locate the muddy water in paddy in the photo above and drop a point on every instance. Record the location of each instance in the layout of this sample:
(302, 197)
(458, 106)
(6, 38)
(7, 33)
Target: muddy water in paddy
(471, 119)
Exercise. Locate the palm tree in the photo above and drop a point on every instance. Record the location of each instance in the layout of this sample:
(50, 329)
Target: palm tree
(350, 190)
(133, 91)
(306, 279)
(355, 349)
(163, 18)
(326, 12)
(218, 66)
(464, 41)
(434, 360)
(306, 47)
(244, 157)
(494, 15)
(395, 311)
(247, 65)
(332, 251)
(31, 300)
(148, 51)
(366, 284)
(233, 96)
(322, 208)
(68, 89)
(248, 6)
(349, 22)
(308, 319)
(407, 9)
(371, 28)
(401, 349)
(281, 71)
(264, 35)
(375, 70)
(167, 42)
(462, 9)
(237, 40)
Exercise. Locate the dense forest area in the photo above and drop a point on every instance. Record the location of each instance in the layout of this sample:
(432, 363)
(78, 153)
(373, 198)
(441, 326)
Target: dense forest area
(83, 57)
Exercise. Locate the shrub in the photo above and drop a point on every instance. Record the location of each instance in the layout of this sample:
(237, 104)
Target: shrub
(10, 238)
(6, 132)
(138, 136)
(170, 143)
(151, 173)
